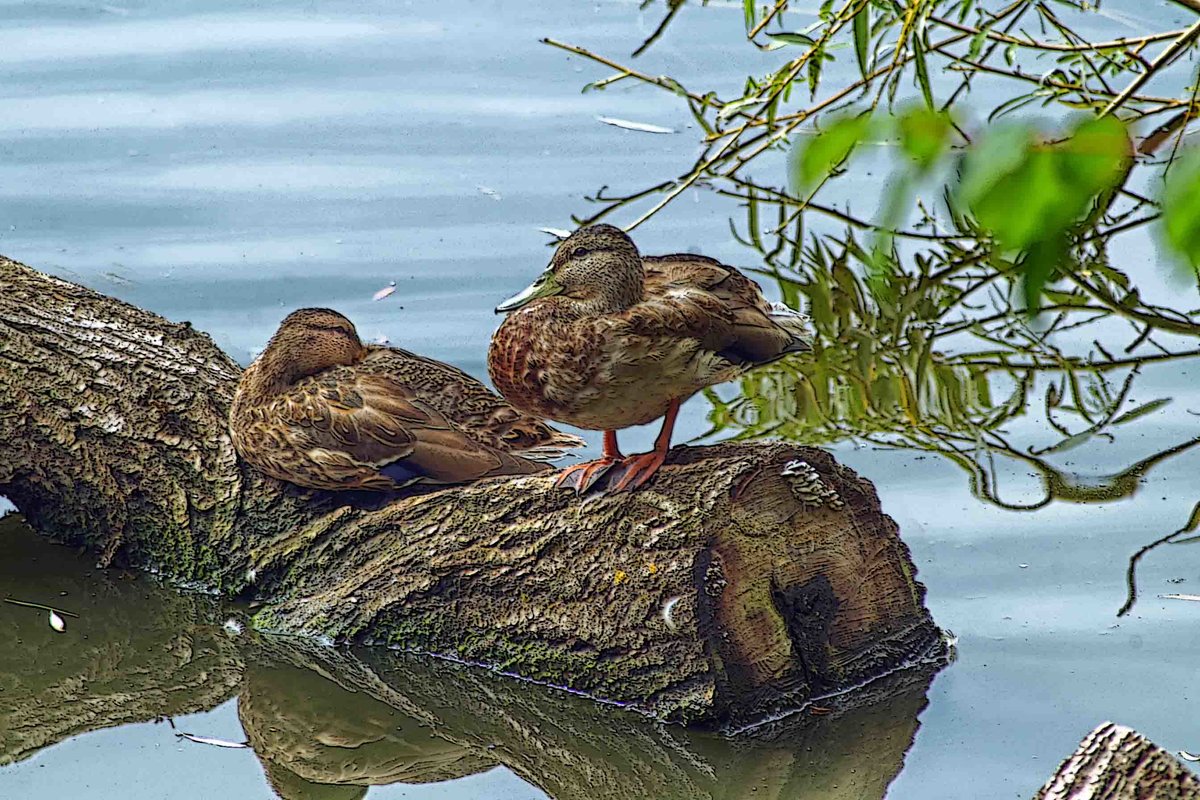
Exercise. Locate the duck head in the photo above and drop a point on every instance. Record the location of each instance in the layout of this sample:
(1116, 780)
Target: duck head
(598, 267)
(308, 341)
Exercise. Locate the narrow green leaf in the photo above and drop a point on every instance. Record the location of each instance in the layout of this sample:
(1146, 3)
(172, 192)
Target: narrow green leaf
(1141, 411)
(862, 37)
(922, 68)
(793, 38)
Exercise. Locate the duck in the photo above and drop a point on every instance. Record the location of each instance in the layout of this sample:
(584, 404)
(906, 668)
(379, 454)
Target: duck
(321, 410)
(607, 338)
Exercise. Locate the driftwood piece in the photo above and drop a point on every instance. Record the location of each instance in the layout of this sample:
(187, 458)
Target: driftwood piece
(1117, 763)
(744, 579)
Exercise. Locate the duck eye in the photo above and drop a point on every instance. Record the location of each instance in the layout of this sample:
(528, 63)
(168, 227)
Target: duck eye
(579, 252)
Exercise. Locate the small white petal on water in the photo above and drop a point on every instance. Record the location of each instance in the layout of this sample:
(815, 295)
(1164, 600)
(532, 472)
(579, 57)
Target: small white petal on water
(556, 232)
(1023, 566)
(1186, 756)
(57, 623)
(490, 192)
(1195, 598)
(629, 125)
(212, 741)
(667, 609)
(385, 291)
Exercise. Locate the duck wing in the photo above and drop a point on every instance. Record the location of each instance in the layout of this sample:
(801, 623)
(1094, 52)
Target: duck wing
(472, 406)
(360, 429)
(702, 298)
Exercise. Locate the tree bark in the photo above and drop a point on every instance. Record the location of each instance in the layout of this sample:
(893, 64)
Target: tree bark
(1118, 763)
(744, 580)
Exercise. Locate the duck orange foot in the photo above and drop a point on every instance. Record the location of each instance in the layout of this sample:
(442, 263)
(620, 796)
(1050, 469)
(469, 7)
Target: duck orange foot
(582, 477)
(636, 470)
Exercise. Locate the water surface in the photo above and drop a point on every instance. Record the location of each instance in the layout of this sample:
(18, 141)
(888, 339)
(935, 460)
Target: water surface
(225, 164)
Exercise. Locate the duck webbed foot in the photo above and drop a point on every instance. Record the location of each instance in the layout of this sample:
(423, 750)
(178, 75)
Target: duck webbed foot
(636, 470)
(582, 477)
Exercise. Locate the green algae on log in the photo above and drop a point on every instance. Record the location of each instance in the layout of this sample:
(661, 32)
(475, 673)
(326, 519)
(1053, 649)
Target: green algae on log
(745, 580)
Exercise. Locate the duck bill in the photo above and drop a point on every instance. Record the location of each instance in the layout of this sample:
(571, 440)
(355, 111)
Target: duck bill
(544, 286)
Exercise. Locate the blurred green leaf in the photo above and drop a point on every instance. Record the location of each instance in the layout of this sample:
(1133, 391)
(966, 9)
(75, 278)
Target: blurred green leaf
(822, 154)
(1095, 155)
(1181, 208)
(924, 135)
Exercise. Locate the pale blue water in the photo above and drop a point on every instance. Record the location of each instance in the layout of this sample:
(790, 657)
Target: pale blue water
(224, 164)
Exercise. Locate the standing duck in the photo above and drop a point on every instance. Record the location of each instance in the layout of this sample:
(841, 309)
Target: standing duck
(320, 409)
(607, 338)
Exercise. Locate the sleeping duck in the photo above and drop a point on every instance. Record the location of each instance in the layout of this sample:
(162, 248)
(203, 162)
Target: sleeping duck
(320, 409)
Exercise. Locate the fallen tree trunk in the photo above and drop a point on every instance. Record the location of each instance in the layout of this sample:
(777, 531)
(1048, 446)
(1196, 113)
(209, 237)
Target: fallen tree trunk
(744, 580)
(1114, 762)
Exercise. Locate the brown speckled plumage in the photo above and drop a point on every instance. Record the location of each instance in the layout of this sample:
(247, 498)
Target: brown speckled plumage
(321, 410)
(607, 338)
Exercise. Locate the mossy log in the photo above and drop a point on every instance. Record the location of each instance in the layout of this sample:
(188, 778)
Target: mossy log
(745, 579)
(1117, 763)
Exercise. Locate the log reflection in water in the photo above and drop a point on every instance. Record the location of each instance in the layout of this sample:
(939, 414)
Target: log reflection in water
(334, 720)
(136, 652)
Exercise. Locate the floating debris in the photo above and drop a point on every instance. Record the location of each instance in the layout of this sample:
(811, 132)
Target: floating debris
(381, 340)
(385, 291)
(1186, 756)
(629, 125)
(1023, 566)
(490, 192)
(214, 742)
(57, 623)
(1195, 598)
(558, 233)
(54, 611)
(232, 627)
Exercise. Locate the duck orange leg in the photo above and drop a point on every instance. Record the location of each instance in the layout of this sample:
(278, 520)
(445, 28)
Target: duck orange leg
(583, 476)
(636, 470)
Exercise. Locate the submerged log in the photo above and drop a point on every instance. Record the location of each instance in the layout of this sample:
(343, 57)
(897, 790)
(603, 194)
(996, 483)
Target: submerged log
(1117, 763)
(744, 580)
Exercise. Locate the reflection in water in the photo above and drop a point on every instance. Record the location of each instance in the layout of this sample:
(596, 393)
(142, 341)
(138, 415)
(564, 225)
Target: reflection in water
(135, 653)
(328, 724)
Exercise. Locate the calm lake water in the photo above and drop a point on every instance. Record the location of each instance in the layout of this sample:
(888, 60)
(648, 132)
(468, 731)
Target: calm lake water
(225, 164)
